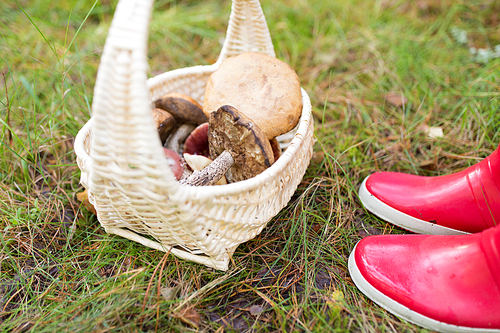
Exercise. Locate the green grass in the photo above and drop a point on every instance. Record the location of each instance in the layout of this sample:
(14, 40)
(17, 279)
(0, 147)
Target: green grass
(61, 272)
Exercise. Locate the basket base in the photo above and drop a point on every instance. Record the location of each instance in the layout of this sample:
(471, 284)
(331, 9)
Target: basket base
(221, 264)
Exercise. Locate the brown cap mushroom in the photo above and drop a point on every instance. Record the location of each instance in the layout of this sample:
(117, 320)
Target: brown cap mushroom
(164, 123)
(275, 145)
(261, 87)
(182, 107)
(240, 149)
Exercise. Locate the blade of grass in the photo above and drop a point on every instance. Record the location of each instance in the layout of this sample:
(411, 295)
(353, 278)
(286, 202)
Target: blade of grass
(36, 27)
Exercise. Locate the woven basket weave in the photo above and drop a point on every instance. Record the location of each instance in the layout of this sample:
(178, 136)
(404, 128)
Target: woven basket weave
(121, 159)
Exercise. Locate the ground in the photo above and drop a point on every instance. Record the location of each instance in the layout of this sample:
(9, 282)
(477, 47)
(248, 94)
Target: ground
(381, 74)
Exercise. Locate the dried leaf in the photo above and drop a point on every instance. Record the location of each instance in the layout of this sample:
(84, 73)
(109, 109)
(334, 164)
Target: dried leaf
(190, 316)
(435, 132)
(168, 293)
(318, 157)
(396, 99)
(335, 299)
(83, 198)
(316, 227)
(255, 310)
(429, 165)
(423, 5)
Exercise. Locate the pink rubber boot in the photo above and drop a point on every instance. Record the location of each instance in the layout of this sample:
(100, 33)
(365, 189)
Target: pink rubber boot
(464, 202)
(444, 283)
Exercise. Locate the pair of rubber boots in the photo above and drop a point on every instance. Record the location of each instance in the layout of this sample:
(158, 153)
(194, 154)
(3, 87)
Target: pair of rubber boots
(447, 280)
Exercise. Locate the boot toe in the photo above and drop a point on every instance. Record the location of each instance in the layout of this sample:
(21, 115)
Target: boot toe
(433, 281)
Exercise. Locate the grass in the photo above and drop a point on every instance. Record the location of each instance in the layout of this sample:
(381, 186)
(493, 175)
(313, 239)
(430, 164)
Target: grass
(61, 272)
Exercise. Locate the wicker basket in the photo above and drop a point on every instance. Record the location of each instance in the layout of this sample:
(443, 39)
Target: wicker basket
(121, 160)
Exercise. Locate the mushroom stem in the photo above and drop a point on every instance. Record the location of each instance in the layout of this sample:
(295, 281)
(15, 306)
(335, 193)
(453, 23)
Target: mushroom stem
(175, 141)
(212, 173)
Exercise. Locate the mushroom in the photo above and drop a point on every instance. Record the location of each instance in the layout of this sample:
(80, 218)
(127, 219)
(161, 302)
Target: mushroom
(175, 141)
(261, 87)
(199, 162)
(248, 96)
(240, 149)
(275, 145)
(164, 123)
(175, 162)
(182, 107)
(197, 142)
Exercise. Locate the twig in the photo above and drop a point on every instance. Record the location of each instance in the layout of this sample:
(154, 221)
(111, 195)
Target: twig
(159, 293)
(264, 297)
(149, 286)
(460, 157)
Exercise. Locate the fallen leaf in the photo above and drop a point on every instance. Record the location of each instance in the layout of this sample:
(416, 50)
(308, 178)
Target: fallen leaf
(322, 280)
(325, 58)
(255, 310)
(316, 227)
(396, 99)
(429, 165)
(318, 157)
(83, 198)
(168, 293)
(190, 316)
(335, 299)
(435, 132)
(422, 5)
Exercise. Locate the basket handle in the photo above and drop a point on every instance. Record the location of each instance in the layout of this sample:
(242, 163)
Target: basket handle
(126, 152)
(247, 31)
(125, 144)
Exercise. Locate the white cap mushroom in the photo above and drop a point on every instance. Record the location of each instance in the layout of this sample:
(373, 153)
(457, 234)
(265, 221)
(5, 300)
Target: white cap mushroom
(261, 87)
